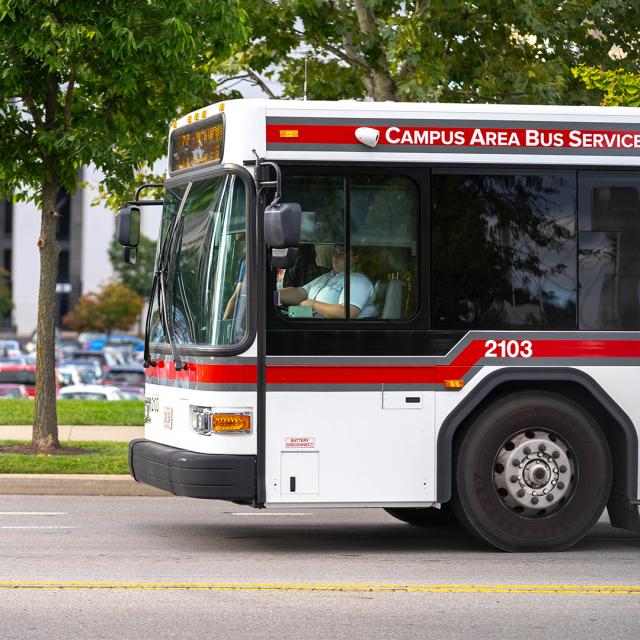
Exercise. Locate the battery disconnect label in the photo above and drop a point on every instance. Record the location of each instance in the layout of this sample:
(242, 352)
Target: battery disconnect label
(300, 442)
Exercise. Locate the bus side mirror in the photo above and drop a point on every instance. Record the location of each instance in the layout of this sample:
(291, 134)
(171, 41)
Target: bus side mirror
(282, 223)
(128, 226)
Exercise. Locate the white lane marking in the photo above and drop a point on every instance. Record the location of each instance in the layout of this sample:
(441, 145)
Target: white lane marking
(33, 513)
(42, 527)
(264, 515)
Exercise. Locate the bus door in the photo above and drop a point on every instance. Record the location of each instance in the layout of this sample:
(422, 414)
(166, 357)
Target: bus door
(348, 419)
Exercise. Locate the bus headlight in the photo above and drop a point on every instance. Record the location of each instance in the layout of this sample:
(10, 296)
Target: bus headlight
(206, 420)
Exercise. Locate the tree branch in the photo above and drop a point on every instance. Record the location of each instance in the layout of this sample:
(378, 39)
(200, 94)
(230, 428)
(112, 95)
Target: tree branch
(51, 101)
(366, 18)
(33, 111)
(253, 77)
(69, 98)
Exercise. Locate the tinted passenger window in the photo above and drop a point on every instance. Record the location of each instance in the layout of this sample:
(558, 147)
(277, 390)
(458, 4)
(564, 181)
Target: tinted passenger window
(609, 257)
(361, 225)
(609, 201)
(503, 250)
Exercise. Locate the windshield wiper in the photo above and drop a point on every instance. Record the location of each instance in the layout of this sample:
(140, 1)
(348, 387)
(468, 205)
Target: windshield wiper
(159, 288)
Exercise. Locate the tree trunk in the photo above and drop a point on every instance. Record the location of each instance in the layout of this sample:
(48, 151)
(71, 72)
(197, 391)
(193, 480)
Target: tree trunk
(45, 421)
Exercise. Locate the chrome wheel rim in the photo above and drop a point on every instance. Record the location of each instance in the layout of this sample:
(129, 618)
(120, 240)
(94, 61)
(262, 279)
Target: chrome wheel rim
(534, 473)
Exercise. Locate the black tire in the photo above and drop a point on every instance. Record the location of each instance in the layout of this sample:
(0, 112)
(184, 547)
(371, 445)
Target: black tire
(494, 500)
(429, 517)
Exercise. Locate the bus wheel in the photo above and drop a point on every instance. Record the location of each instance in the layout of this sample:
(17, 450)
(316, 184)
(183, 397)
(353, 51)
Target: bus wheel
(533, 473)
(429, 517)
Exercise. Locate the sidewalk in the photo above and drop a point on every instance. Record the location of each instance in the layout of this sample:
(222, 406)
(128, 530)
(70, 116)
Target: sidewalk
(75, 484)
(75, 432)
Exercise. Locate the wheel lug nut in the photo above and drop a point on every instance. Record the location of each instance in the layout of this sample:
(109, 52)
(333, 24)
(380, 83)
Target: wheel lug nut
(556, 454)
(560, 485)
(516, 462)
(534, 500)
(563, 468)
(550, 497)
(521, 493)
(527, 450)
(542, 447)
(514, 478)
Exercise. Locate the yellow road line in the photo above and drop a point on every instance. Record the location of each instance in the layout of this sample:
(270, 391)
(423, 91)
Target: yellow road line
(572, 589)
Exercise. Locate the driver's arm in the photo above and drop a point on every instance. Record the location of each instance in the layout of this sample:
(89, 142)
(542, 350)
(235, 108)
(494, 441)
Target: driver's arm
(292, 295)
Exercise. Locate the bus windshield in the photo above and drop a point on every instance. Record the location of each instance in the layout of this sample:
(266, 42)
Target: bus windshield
(206, 265)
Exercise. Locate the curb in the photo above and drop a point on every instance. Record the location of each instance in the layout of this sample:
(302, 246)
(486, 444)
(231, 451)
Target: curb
(50, 484)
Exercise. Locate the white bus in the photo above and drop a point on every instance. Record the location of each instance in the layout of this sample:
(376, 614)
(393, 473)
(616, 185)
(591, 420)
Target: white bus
(480, 358)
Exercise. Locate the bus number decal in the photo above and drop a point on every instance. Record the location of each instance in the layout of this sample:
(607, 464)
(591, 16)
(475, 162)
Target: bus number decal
(508, 349)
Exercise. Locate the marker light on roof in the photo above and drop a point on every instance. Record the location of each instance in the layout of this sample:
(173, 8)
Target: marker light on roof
(367, 136)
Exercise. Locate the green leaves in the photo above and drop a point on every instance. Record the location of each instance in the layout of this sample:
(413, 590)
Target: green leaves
(620, 88)
(98, 83)
(507, 51)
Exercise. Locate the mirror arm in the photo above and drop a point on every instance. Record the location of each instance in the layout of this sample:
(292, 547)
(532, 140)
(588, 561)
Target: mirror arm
(148, 185)
(277, 183)
(144, 203)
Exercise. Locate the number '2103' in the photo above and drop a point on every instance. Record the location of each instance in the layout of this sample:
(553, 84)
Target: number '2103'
(508, 349)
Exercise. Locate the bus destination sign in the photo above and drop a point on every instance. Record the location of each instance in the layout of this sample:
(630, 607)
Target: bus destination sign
(197, 145)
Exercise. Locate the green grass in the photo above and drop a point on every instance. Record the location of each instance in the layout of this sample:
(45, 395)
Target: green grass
(105, 457)
(90, 412)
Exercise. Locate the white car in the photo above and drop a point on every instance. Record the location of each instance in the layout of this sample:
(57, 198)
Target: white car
(90, 392)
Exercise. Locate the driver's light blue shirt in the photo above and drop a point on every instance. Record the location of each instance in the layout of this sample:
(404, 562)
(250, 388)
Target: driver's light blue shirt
(329, 288)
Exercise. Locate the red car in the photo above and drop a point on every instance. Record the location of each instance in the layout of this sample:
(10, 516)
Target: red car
(19, 374)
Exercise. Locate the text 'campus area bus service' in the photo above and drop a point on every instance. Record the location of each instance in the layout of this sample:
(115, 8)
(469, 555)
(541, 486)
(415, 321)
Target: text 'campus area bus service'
(431, 309)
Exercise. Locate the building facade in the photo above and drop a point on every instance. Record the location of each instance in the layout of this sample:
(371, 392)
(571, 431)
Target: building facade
(84, 233)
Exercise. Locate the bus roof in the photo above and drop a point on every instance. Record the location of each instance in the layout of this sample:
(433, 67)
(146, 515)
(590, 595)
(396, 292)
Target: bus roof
(354, 131)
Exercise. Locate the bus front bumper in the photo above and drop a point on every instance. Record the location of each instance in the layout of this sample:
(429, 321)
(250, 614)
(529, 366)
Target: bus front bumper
(195, 475)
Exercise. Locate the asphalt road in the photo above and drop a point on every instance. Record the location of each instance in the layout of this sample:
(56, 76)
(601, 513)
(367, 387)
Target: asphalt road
(108, 567)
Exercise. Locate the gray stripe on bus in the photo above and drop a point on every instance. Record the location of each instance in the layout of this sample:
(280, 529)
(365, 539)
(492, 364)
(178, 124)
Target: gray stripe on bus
(209, 359)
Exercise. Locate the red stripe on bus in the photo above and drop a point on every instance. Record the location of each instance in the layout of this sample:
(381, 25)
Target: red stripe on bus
(392, 374)
(425, 136)
(207, 373)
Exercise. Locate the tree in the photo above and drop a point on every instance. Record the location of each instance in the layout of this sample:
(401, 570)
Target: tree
(94, 83)
(114, 306)
(5, 293)
(513, 51)
(620, 88)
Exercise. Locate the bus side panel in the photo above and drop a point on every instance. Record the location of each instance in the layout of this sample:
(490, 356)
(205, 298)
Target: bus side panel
(350, 447)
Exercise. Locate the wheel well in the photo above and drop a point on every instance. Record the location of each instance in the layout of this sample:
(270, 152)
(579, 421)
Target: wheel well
(616, 426)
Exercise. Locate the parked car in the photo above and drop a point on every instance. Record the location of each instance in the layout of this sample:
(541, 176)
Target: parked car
(21, 374)
(89, 370)
(124, 376)
(13, 391)
(98, 341)
(90, 392)
(105, 359)
(132, 393)
(10, 349)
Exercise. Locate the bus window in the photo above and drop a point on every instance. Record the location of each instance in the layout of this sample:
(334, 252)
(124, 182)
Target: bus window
(379, 253)
(609, 255)
(503, 250)
(384, 229)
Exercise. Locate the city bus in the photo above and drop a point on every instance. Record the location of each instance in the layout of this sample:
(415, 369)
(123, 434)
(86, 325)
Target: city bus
(431, 309)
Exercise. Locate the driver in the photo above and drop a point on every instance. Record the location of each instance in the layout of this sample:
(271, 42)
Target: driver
(325, 294)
